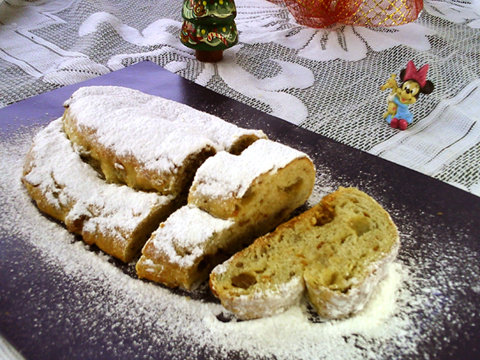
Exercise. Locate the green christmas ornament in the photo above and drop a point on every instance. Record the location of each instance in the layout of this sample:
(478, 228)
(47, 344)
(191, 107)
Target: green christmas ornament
(209, 27)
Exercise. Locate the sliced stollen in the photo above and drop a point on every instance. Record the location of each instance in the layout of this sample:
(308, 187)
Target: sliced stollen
(145, 141)
(179, 252)
(233, 200)
(267, 179)
(114, 217)
(335, 253)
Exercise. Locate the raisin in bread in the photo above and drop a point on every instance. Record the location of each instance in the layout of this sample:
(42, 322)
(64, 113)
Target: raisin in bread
(233, 200)
(335, 253)
(145, 141)
(114, 217)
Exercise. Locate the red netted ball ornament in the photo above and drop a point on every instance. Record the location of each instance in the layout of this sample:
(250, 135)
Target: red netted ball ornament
(324, 13)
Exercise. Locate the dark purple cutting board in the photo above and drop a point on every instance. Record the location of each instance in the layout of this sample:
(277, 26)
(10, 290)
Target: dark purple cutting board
(428, 203)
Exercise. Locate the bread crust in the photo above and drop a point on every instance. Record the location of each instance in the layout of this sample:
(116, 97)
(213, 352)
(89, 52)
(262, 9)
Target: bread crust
(179, 252)
(248, 186)
(340, 249)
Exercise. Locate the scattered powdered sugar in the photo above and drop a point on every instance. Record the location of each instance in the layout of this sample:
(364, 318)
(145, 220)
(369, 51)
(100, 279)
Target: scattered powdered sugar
(412, 306)
(225, 175)
(293, 335)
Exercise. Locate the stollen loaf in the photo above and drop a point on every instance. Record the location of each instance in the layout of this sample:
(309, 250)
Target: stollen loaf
(146, 147)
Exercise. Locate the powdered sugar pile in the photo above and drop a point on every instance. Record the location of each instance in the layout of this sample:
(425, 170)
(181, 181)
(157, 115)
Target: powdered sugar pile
(395, 323)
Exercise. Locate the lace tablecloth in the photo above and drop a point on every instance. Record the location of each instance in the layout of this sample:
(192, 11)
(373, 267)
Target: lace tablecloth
(325, 80)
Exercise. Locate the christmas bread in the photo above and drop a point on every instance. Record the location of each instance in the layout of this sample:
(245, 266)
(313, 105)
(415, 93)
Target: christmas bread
(334, 253)
(144, 141)
(233, 199)
(114, 217)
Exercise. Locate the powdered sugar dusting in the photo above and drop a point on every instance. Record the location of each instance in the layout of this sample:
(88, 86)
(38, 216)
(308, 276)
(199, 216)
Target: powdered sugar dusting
(132, 122)
(225, 175)
(301, 338)
(187, 229)
(413, 305)
(73, 186)
(270, 301)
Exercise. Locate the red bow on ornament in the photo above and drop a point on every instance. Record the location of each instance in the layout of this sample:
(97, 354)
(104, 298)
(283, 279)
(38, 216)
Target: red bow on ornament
(323, 13)
(420, 76)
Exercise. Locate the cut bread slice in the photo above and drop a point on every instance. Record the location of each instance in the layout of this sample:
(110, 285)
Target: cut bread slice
(233, 200)
(144, 141)
(179, 252)
(335, 253)
(268, 178)
(114, 217)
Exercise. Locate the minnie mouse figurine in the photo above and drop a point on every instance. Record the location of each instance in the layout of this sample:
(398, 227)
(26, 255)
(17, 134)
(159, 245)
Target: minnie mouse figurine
(414, 82)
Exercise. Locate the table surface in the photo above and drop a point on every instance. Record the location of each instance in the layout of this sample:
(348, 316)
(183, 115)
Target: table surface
(323, 80)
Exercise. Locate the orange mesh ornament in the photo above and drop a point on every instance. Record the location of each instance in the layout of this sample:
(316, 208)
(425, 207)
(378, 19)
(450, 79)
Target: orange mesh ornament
(324, 13)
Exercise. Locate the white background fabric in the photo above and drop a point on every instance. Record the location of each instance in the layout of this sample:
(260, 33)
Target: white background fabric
(325, 80)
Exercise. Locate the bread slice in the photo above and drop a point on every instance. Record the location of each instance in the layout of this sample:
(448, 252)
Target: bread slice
(268, 178)
(335, 253)
(179, 252)
(145, 141)
(114, 217)
(233, 200)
